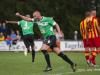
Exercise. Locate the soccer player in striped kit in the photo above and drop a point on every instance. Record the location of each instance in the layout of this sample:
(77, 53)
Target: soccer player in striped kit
(93, 40)
(93, 35)
(84, 34)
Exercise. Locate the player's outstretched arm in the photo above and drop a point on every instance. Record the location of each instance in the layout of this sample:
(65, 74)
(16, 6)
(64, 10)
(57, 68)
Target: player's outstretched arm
(58, 29)
(13, 22)
(23, 17)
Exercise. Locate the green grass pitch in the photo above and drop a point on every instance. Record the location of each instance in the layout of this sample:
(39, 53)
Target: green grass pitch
(17, 64)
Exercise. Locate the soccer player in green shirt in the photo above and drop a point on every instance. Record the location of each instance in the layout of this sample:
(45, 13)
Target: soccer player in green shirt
(46, 25)
(27, 34)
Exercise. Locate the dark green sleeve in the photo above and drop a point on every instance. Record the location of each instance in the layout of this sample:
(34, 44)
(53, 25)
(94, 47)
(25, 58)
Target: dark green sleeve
(51, 22)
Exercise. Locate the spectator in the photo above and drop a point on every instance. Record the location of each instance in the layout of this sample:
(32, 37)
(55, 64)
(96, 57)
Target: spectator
(13, 37)
(75, 35)
(8, 41)
(0, 24)
(18, 35)
(2, 38)
(4, 29)
(0, 27)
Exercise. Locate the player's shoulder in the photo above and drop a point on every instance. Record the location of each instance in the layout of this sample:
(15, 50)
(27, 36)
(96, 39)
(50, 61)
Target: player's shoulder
(95, 19)
(82, 21)
(22, 21)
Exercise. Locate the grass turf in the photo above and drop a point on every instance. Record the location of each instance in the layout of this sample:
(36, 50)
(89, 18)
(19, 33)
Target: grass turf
(17, 64)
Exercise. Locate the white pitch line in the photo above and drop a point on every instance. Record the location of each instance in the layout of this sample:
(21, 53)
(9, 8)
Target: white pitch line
(80, 70)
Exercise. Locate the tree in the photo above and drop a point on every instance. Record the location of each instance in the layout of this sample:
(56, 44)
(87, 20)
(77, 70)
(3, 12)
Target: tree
(68, 13)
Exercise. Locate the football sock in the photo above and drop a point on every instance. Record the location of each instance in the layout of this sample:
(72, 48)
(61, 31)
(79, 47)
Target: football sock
(93, 56)
(87, 55)
(47, 58)
(65, 58)
(33, 55)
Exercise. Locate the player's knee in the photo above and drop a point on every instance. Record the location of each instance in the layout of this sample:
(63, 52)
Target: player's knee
(28, 47)
(60, 54)
(44, 52)
(33, 50)
(94, 53)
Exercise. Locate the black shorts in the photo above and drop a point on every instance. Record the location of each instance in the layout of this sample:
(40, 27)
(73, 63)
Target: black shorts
(14, 42)
(50, 41)
(28, 40)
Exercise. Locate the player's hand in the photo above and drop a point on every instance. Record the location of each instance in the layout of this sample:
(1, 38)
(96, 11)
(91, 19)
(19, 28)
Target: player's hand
(60, 35)
(17, 14)
(6, 21)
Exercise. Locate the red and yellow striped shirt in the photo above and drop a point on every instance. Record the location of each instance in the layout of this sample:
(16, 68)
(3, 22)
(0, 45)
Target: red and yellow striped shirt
(92, 25)
(83, 28)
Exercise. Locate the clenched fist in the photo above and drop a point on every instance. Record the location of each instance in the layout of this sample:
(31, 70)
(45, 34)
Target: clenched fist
(17, 14)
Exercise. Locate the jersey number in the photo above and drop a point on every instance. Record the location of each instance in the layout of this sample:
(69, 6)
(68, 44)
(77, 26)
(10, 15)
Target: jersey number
(26, 26)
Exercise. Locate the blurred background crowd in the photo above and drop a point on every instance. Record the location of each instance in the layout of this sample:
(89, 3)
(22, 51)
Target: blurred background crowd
(8, 35)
